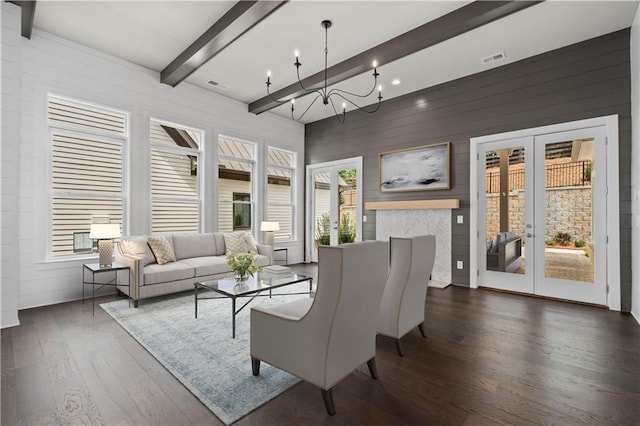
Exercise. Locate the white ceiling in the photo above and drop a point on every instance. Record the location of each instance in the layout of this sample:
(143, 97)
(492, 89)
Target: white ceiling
(153, 33)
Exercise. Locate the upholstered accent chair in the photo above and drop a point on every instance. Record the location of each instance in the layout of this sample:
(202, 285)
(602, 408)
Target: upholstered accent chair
(323, 339)
(403, 301)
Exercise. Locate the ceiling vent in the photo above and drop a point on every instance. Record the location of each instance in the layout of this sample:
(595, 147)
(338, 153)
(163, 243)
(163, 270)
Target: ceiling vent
(492, 58)
(218, 85)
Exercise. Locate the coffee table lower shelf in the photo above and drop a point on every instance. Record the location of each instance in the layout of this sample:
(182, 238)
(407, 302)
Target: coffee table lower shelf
(255, 287)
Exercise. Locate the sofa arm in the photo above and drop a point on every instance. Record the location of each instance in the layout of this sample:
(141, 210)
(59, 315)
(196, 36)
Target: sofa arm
(136, 271)
(266, 250)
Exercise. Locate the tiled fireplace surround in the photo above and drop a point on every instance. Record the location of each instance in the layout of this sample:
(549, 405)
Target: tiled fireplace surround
(411, 222)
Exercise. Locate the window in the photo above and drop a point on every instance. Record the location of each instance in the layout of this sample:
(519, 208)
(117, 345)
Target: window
(280, 173)
(241, 211)
(175, 199)
(87, 144)
(236, 161)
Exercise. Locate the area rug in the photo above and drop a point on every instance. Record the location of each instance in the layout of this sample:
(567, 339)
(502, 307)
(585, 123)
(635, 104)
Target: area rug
(201, 353)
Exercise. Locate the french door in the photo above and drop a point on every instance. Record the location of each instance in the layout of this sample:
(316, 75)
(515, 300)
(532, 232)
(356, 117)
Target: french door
(334, 204)
(542, 224)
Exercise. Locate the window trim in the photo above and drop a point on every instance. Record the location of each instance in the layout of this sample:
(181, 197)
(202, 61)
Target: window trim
(254, 175)
(55, 127)
(198, 153)
(293, 184)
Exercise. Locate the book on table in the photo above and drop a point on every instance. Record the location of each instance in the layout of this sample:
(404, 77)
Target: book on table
(276, 269)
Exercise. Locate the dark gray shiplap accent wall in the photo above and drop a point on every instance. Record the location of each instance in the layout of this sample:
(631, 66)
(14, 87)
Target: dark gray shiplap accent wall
(584, 80)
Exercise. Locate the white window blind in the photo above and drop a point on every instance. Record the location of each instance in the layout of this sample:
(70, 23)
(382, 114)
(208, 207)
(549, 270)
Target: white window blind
(86, 168)
(280, 174)
(236, 162)
(175, 205)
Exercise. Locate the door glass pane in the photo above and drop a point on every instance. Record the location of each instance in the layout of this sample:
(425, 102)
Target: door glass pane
(322, 203)
(347, 206)
(505, 210)
(569, 171)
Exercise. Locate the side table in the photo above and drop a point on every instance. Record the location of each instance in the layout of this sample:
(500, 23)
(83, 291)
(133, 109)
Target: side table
(286, 254)
(93, 269)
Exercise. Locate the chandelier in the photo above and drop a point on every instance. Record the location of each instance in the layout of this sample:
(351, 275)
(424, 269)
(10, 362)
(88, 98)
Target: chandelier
(328, 96)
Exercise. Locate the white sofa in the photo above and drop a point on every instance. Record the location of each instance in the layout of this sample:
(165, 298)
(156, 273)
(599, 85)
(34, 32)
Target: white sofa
(199, 257)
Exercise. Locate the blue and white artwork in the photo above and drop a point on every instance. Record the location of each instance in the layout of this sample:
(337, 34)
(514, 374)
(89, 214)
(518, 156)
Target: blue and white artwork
(416, 169)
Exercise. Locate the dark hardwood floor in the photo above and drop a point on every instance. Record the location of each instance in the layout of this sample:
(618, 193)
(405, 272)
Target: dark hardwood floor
(489, 358)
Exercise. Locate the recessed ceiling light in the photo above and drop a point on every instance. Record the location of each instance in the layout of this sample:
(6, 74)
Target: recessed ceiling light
(395, 82)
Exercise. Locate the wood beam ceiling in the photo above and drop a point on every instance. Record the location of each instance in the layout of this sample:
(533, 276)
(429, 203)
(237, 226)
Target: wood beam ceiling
(243, 16)
(28, 12)
(459, 21)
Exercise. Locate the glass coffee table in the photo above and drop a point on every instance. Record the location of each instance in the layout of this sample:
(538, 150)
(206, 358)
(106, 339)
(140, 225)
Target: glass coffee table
(255, 286)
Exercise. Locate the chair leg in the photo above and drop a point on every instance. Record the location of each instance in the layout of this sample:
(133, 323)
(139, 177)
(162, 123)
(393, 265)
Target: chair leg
(421, 328)
(399, 347)
(327, 397)
(373, 370)
(255, 366)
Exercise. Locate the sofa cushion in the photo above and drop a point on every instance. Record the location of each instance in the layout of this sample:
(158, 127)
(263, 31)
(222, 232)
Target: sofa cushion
(173, 271)
(235, 243)
(186, 246)
(208, 265)
(494, 243)
(137, 247)
(251, 243)
(218, 238)
(161, 248)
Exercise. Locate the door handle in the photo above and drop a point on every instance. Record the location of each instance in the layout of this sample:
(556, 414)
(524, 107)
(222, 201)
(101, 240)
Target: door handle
(529, 235)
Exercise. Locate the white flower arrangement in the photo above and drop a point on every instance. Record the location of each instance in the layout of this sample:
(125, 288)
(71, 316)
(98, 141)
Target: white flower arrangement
(243, 264)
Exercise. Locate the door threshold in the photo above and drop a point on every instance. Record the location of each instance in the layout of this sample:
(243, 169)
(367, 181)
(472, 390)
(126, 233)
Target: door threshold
(538, 296)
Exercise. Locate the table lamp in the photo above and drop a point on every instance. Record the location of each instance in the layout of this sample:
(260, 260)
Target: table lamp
(268, 228)
(105, 233)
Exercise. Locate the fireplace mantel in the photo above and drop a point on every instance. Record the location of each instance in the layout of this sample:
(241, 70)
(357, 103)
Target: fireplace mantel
(412, 205)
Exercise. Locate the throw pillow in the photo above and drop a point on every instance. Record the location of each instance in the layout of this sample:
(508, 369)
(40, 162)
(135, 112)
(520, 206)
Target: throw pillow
(235, 243)
(161, 249)
(251, 243)
(137, 247)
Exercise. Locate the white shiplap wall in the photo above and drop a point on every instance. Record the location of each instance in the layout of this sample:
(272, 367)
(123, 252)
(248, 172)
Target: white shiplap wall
(50, 64)
(10, 42)
(635, 166)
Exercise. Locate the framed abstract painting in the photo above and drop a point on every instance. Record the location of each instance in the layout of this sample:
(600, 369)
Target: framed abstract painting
(423, 168)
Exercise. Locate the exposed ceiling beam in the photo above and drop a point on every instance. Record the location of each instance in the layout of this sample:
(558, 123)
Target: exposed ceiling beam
(453, 24)
(28, 12)
(243, 16)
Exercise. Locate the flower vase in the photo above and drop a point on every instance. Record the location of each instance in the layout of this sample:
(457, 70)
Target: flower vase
(240, 279)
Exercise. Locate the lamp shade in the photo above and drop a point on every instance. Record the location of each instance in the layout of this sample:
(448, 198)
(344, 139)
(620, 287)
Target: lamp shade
(270, 226)
(104, 231)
